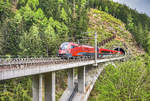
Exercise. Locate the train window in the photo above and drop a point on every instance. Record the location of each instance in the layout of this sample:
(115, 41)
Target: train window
(72, 46)
(64, 46)
(106, 52)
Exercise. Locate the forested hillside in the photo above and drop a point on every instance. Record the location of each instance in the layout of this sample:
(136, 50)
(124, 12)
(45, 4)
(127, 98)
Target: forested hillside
(36, 28)
(106, 26)
(129, 80)
(138, 24)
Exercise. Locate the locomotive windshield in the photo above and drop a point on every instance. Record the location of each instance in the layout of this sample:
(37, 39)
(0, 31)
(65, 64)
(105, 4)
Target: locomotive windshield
(64, 45)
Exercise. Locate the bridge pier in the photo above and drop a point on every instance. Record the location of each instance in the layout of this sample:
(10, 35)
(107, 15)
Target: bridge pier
(81, 79)
(71, 79)
(50, 86)
(40, 87)
(48, 81)
(37, 87)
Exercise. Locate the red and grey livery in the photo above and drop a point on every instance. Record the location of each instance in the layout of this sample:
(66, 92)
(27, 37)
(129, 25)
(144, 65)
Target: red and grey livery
(70, 50)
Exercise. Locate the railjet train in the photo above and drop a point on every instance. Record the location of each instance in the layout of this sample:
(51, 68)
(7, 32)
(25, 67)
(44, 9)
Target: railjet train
(73, 50)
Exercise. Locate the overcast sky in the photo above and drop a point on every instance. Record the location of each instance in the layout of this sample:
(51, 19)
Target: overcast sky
(142, 6)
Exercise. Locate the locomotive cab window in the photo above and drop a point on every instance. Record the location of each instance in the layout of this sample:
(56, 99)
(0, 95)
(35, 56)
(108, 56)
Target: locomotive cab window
(64, 46)
(72, 46)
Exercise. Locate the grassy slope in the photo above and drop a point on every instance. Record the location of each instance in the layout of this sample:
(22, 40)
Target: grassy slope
(106, 25)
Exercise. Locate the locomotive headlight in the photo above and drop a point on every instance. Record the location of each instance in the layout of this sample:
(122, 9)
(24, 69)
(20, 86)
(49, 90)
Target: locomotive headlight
(67, 51)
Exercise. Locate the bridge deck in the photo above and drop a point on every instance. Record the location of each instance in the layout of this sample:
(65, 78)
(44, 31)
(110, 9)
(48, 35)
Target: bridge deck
(27, 70)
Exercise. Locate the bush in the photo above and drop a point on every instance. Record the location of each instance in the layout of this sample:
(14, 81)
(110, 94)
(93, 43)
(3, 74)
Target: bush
(124, 83)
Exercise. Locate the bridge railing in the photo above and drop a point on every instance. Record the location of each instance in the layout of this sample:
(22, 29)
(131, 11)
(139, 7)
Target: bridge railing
(19, 63)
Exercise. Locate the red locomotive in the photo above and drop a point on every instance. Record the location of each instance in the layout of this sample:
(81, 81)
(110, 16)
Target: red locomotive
(70, 50)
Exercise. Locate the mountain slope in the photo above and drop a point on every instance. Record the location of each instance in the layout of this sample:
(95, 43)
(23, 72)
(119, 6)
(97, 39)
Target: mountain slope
(106, 26)
(130, 80)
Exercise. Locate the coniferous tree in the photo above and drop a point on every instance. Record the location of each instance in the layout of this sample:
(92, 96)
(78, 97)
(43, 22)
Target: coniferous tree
(130, 23)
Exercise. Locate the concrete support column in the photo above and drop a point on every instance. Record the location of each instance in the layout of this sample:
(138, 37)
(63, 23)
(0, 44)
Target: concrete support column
(81, 79)
(71, 79)
(40, 87)
(50, 86)
(37, 87)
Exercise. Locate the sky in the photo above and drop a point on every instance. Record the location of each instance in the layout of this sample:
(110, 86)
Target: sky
(142, 6)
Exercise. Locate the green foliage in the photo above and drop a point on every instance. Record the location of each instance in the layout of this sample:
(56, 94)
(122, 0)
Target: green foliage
(63, 15)
(5, 15)
(38, 27)
(31, 44)
(16, 90)
(106, 9)
(148, 44)
(5, 11)
(6, 96)
(130, 23)
(33, 4)
(124, 83)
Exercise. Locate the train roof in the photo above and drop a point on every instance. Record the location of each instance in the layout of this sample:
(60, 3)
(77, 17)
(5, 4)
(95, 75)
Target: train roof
(86, 46)
(73, 43)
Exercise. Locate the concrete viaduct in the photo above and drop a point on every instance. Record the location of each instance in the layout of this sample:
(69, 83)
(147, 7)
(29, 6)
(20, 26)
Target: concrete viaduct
(43, 74)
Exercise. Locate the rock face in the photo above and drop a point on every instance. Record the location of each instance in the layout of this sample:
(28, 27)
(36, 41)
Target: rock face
(106, 27)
